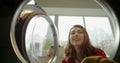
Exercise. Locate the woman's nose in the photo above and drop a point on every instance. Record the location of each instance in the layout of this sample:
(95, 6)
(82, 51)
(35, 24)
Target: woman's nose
(76, 34)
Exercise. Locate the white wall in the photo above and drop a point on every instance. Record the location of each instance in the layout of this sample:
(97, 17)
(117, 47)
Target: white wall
(71, 7)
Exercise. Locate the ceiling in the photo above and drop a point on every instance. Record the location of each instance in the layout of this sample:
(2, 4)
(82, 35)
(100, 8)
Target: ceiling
(71, 7)
(67, 3)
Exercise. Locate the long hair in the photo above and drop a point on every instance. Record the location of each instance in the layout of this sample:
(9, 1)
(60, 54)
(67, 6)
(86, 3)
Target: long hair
(86, 49)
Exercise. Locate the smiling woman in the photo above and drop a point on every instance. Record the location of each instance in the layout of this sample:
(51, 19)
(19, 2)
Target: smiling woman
(79, 46)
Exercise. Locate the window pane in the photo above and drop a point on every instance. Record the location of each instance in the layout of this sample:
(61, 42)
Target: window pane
(64, 25)
(100, 33)
(38, 38)
(52, 18)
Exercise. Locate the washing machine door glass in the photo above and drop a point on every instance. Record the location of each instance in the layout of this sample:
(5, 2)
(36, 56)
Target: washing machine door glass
(39, 39)
(33, 34)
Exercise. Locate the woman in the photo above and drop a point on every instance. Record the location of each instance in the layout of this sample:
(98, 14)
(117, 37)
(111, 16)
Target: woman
(79, 46)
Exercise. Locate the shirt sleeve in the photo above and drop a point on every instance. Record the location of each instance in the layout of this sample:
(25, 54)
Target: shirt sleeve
(64, 61)
(99, 52)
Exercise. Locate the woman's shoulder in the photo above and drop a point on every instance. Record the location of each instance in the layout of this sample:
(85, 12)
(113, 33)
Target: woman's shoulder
(99, 52)
(98, 49)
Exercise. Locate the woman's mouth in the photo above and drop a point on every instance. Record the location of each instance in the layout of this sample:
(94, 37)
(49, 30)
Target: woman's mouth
(77, 39)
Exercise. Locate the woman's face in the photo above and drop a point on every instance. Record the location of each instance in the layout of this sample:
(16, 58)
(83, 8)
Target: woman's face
(76, 36)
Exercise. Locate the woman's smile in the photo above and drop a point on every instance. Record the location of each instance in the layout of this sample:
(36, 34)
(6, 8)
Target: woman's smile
(76, 39)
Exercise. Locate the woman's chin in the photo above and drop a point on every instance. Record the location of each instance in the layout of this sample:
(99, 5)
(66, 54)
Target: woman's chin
(76, 44)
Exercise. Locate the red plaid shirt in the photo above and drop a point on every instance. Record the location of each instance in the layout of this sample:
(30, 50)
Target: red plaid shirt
(98, 52)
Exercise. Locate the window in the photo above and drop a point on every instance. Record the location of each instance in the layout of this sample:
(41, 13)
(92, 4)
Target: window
(98, 28)
(52, 18)
(38, 38)
(64, 25)
(100, 33)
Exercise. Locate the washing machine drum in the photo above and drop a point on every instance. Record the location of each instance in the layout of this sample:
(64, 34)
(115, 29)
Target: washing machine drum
(34, 35)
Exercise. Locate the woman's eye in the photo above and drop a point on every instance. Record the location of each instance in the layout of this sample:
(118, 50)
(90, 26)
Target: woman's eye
(73, 33)
(80, 32)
